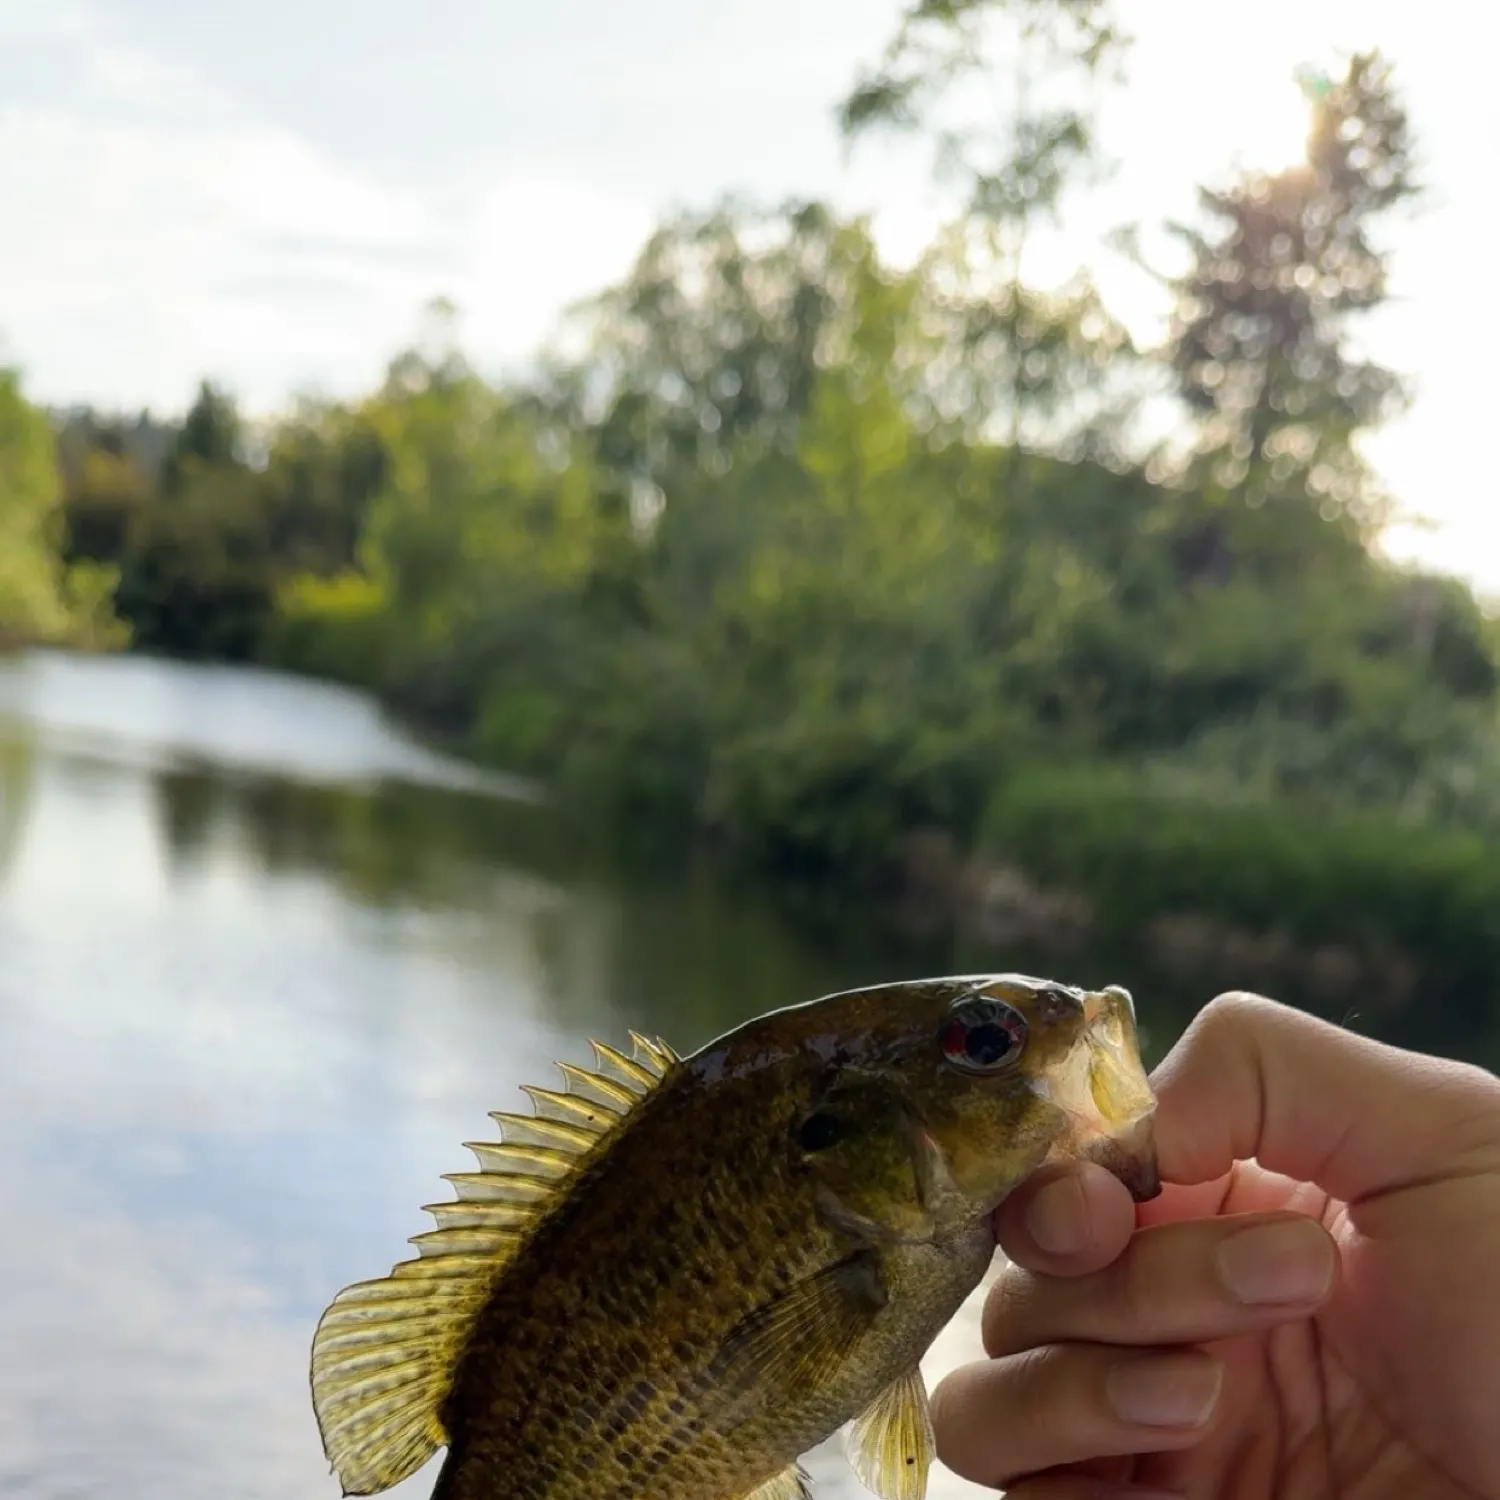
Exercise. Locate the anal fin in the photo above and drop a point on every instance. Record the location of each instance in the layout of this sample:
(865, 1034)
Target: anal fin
(792, 1483)
(890, 1444)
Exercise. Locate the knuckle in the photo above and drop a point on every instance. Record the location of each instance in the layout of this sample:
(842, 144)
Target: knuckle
(1478, 1086)
(1032, 1412)
(997, 1423)
(946, 1414)
(1134, 1294)
(1229, 1016)
(1467, 1100)
(979, 1418)
(1003, 1321)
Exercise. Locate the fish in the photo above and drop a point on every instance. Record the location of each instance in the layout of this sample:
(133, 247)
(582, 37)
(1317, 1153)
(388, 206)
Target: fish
(678, 1275)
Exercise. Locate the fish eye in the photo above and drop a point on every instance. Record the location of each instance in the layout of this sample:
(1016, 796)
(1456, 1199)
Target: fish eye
(819, 1131)
(983, 1035)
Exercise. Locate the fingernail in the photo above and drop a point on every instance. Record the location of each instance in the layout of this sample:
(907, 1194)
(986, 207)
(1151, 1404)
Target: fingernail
(1171, 1390)
(1291, 1261)
(1057, 1218)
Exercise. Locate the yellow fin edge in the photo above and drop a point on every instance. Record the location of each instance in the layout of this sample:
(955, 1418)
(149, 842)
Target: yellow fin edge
(890, 1445)
(385, 1351)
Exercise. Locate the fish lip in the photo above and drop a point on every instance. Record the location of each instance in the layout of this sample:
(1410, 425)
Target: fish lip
(1115, 1130)
(1113, 996)
(1130, 1155)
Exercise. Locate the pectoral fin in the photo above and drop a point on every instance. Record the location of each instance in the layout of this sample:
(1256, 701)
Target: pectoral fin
(797, 1341)
(890, 1444)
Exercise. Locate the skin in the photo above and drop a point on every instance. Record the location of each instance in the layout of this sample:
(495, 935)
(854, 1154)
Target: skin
(1318, 1321)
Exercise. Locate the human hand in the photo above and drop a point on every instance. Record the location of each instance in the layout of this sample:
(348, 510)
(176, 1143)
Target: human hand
(1311, 1308)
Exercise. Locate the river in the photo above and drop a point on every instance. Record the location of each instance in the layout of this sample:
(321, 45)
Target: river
(264, 964)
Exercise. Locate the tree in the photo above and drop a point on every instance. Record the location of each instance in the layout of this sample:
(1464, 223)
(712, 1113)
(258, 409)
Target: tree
(486, 508)
(29, 599)
(104, 491)
(1259, 343)
(211, 436)
(1048, 365)
(713, 341)
(141, 439)
(324, 464)
(41, 597)
(197, 576)
(1038, 135)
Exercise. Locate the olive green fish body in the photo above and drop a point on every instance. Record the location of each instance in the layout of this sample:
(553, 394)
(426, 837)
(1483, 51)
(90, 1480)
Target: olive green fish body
(737, 1254)
(606, 1374)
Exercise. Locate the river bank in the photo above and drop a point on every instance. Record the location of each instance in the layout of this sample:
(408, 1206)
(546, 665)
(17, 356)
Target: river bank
(1344, 909)
(995, 904)
(1341, 914)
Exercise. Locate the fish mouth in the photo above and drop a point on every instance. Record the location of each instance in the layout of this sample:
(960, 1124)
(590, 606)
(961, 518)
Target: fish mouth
(1105, 1097)
(1129, 1155)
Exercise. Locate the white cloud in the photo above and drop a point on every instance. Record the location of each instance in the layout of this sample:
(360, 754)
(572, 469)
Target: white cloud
(167, 235)
(275, 209)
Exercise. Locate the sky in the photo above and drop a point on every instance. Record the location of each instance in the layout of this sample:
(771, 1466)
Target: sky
(268, 192)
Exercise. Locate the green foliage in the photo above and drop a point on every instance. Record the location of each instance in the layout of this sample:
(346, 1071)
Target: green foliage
(323, 466)
(1045, 369)
(712, 347)
(211, 437)
(103, 506)
(330, 627)
(202, 542)
(807, 554)
(88, 591)
(41, 599)
(1024, 160)
(196, 577)
(1290, 868)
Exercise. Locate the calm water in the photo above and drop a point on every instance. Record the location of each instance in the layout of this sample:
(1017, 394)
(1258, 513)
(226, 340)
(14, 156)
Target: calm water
(264, 965)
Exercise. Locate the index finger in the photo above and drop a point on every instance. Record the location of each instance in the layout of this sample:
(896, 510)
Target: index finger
(1252, 1079)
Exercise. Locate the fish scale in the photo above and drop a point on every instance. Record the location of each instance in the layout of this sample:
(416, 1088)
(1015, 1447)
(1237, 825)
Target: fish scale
(687, 1273)
(635, 1331)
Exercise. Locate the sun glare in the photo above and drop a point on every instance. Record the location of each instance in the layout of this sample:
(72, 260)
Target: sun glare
(1272, 125)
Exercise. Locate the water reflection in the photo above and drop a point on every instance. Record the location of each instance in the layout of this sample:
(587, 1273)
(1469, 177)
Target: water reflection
(249, 1008)
(229, 718)
(15, 796)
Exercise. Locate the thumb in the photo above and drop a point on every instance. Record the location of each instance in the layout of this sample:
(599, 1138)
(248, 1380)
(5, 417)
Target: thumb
(1254, 1079)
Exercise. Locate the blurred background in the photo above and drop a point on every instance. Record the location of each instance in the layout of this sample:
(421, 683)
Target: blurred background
(520, 522)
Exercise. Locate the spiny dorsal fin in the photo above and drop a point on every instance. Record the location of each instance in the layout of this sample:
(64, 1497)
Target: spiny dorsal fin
(385, 1351)
(793, 1483)
(890, 1444)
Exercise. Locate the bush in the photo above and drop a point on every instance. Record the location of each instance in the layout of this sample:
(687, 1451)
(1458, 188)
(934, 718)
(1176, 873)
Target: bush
(1370, 880)
(330, 627)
